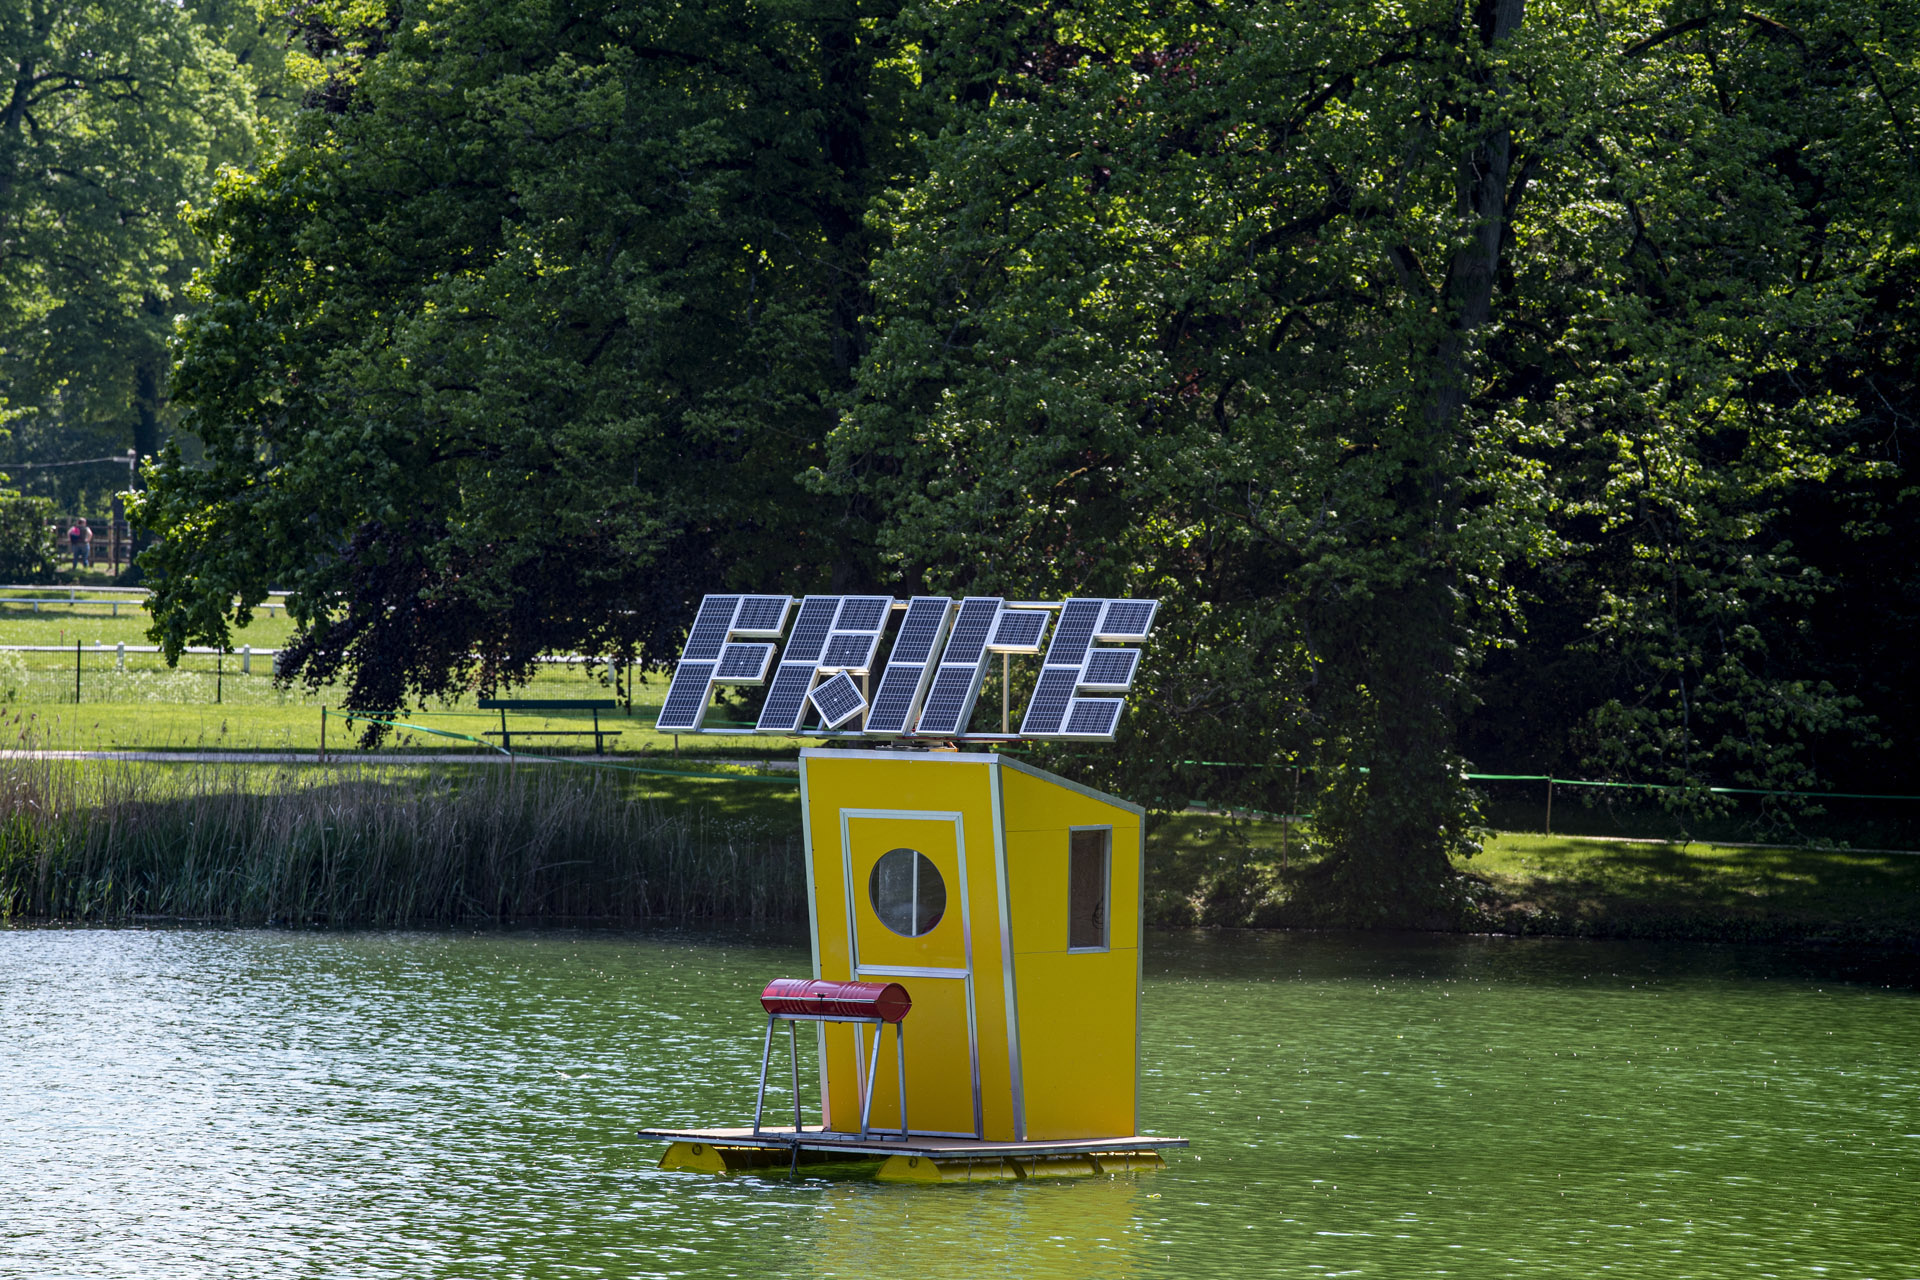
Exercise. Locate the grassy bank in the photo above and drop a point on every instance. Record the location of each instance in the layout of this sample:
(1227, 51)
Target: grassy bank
(1211, 872)
(360, 845)
(363, 846)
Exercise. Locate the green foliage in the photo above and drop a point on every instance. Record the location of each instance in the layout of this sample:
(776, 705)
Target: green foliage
(27, 552)
(1389, 346)
(115, 113)
(1322, 320)
(520, 340)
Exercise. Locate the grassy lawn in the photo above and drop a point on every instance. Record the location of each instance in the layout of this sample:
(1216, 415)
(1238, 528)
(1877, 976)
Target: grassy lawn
(1206, 870)
(135, 702)
(1572, 885)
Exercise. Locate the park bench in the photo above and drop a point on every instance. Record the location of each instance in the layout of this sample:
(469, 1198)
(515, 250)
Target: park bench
(595, 705)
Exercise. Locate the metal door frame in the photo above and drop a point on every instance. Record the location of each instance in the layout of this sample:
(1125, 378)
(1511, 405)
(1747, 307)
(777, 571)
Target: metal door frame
(856, 901)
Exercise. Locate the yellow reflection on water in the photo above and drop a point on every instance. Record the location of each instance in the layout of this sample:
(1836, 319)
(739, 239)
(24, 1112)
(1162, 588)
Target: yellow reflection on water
(1057, 1229)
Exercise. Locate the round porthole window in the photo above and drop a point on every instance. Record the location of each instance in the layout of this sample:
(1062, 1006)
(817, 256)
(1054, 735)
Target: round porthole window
(907, 892)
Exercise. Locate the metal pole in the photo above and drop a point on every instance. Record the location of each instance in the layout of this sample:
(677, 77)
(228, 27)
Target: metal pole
(1005, 687)
(76, 673)
(793, 1041)
(219, 674)
(900, 1063)
(760, 1100)
(1549, 806)
(323, 733)
(873, 1075)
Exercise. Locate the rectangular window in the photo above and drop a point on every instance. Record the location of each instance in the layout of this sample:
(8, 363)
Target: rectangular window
(1087, 862)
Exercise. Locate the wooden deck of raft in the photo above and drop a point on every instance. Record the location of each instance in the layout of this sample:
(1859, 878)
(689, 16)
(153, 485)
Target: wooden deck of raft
(917, 1158)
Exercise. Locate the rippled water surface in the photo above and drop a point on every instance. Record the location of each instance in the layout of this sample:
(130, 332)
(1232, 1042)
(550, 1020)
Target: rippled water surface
(234, 1104)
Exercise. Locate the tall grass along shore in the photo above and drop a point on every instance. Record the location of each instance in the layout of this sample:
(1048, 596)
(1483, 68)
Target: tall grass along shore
(373, 846)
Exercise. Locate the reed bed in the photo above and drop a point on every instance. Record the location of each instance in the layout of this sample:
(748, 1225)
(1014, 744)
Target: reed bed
(374, 846)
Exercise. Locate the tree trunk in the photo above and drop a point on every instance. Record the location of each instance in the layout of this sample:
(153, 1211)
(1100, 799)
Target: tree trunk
(1393, 828)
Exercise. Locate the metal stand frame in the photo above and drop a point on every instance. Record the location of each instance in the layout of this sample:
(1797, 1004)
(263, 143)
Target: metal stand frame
(863, 1087)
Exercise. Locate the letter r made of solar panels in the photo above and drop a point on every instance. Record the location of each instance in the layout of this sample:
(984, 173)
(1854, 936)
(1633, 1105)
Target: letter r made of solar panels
(829, 679)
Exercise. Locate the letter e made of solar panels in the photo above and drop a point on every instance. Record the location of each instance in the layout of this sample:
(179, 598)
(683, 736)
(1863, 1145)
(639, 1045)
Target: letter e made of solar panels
(932, 676)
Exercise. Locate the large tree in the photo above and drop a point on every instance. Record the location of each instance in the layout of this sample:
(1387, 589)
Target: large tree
(523, 337)
(1322, 320)
(113, 115)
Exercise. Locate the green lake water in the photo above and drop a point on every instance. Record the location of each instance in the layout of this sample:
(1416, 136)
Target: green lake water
(256, 1103)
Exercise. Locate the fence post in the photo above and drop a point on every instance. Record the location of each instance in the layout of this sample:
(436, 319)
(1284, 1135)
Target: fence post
(120, 657)
(246, 659)
(76, 673)
(1549, 804)
(219, 674)
(323, 733)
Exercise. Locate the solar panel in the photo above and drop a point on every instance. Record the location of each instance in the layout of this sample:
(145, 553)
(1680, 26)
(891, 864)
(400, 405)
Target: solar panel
(1051, 695)
(686, 703)
(968, 642)
(838, 701)
(744, 664)
(1127, 620)
(863, 613)
(1109, 669)
(1074, 632)
(786, 701)
(920, 632)
(762, 617)
(810, 631)
(950, 702)
(710, 627)
(850, 652)
(1093, 717)
(1018, 631)
(895, 700)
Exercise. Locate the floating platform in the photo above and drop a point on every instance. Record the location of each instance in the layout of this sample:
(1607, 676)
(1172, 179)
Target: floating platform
(919, 1158)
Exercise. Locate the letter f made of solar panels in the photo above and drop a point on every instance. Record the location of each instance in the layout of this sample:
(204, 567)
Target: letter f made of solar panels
(932, 676)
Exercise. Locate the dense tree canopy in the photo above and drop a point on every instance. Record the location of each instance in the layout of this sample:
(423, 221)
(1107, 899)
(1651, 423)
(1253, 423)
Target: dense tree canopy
(1335, 324)
(1526, 380)
(113, 115)
(524, 336)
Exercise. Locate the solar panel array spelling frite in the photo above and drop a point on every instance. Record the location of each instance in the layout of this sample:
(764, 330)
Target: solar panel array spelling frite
(932, 675)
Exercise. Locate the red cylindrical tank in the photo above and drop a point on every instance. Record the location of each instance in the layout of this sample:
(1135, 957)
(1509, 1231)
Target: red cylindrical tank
(887, 1001)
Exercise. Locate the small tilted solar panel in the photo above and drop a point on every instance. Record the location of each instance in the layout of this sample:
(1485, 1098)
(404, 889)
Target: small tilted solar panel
(925, 623)
(904, 683)
(850, 652)
(686, 703)
(1018, 631)
(863, 613)
(762, 617)
(1092, 718)
(710, 628)
(893, 701)
(1074, 633)
(786, 704)
(971, 630)
(838, 701)
(949, 702)
(1127, 620)
(810, 631)
(787, 698)
(1109, 670)
(1052, 695)
(744, 664)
